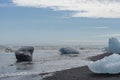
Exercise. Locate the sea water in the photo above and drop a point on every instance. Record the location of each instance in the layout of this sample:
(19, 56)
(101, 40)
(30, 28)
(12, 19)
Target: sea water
(44, 61)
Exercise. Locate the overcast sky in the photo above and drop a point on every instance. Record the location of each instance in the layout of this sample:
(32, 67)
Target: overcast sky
(59, 21)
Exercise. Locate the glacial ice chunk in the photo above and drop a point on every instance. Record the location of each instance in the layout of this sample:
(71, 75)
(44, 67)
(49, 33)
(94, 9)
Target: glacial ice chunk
(110, 64)
(114, 46)
(68, 50)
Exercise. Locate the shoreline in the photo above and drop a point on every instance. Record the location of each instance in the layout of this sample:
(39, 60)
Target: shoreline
(98, 57)
(83, 73)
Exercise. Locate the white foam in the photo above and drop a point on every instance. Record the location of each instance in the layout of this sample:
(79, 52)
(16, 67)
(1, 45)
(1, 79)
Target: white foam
(18, 74)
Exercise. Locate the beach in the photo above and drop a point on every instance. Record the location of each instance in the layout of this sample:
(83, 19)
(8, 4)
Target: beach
(83, 73)
(48, 64)
(46, 59)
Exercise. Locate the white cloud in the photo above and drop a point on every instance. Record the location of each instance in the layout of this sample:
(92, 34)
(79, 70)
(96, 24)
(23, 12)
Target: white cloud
(100, 27)
(82, 8)
(109, 35)
(83, 41)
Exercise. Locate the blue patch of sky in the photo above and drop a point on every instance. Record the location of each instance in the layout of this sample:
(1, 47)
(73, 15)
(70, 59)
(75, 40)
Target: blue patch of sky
(35, 24)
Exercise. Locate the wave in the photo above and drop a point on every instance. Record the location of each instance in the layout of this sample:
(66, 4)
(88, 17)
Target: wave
(20, 74)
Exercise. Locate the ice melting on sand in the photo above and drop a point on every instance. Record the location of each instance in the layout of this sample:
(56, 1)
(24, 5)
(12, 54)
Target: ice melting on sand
(114, 46)
(110, 64)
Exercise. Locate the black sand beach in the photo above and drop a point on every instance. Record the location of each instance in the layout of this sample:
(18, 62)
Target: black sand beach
(83, 73)
(98, 57)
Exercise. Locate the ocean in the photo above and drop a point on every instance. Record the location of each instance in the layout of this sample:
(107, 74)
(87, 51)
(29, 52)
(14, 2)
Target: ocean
(46, 59)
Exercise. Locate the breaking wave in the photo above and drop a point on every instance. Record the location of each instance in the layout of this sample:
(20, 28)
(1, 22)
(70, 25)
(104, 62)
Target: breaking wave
(18, 74)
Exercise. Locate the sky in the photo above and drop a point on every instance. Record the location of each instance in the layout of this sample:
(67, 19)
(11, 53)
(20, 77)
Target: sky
(59, 21)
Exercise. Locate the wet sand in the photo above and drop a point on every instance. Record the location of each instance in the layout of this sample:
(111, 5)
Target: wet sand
(83, 73)
(98, 57)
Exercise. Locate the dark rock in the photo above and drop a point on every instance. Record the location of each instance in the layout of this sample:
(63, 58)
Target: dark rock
(24, 54)
(68, 51)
